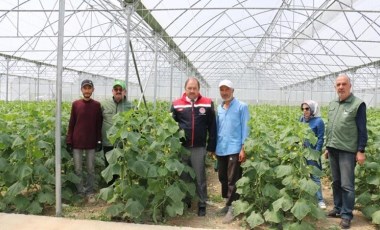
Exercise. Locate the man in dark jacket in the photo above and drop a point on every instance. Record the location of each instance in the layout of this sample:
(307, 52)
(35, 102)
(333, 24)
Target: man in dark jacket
(195, 115)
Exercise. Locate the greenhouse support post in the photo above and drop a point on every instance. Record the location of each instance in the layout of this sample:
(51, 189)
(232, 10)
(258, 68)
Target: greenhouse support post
(58, 200)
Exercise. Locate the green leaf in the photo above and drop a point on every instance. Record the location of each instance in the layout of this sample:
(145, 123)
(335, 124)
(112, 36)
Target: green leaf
(243, 181)
(133, 208)
(284, 203)
(35, 208)
(270, 190)
(255, 219)
(261, 168)
(152, 171)
(300, 226)
(308, 186)
(373, 179)
(174, 166)
(107, 173)
(376, 217)
(21, 202)
(115, 210)
(369, 210)
(24, 171)
(72, 177)
(134, 138)
(113, 155)
(240, 207)
(106, 193)
(175, 208)
(364, 199)
(301, 208)
(18, 141)
(273, 216)
(46, 197)
(174, 193)
(15, 189)
(3, 164)
(283, 170)
(140, 167)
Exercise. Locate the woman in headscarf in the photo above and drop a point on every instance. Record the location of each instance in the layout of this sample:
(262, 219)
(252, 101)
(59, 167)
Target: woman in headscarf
(311, 116)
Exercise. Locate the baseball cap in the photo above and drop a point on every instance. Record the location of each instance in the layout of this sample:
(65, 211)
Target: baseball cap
(119, 83)
(87, 82)
(227, 83)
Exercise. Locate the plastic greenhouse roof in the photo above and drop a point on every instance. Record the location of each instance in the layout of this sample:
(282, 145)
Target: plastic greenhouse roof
(285, 42)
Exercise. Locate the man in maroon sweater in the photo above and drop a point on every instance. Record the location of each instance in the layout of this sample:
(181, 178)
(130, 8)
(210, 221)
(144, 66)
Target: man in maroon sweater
(84, 136)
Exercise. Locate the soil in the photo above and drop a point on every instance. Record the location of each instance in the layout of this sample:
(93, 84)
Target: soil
(94, 210)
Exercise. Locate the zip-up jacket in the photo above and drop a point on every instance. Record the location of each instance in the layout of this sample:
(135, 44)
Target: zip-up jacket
(198, 121)
(109, 109)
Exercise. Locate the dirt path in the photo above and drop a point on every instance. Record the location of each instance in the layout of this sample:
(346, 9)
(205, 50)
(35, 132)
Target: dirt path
(211, 221)
(191, 219)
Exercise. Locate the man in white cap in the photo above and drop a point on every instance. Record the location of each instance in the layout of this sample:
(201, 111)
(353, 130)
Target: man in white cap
(232, 130)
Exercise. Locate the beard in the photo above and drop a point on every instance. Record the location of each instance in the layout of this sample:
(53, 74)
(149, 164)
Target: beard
(227, 98)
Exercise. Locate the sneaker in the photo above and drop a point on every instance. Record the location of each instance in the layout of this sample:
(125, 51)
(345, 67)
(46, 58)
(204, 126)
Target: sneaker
(345, 223)
(201, 211)
(229, 217)
(222, 212)
(322, 205)
(333, 213)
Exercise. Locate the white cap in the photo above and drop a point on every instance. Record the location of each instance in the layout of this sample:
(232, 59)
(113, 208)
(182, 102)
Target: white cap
(227, 83)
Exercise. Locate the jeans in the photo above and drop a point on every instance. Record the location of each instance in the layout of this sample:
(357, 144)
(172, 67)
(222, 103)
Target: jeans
(316, 179)
(88, 187)
(342, 165)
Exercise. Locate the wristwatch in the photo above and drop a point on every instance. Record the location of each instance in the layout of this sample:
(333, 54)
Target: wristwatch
(361, 150)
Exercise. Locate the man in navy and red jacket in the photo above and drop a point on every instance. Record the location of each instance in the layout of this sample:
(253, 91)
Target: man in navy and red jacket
(195, 114)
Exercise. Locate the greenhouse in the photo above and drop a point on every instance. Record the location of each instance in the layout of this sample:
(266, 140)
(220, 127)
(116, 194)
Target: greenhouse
(277, 54)
(274, 51)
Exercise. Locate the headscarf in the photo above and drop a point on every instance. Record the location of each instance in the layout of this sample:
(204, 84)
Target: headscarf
(314, 108)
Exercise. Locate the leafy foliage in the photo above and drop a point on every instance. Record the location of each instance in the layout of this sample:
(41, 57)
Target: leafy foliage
(147, 161)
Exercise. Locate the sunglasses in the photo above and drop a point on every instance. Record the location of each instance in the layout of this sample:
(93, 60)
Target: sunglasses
(118, 89)
(307, 109)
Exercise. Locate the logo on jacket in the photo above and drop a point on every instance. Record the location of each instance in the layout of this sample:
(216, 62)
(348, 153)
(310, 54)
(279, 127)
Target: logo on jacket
(202, 110)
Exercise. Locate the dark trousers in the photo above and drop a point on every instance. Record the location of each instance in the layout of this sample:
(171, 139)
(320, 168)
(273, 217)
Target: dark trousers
(105, 150)
(229, 172)
(196, 160)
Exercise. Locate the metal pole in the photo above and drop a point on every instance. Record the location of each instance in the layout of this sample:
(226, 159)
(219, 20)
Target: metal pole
(128, 11)
(38, 82)
(171, 79)
(6, 81)
(377, 79)
(155, 70)
(61, 26)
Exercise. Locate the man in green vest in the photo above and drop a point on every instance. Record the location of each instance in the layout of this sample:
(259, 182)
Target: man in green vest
(117, 104)
(346, 138)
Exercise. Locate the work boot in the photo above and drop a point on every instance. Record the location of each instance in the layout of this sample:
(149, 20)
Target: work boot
(333, 213)
(201, 211)
(345, 223)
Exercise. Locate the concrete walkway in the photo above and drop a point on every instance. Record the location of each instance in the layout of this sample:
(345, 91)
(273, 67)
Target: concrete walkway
(32, 222)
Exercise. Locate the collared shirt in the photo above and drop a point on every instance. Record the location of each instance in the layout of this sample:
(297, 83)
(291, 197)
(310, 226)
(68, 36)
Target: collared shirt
(232, 128)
